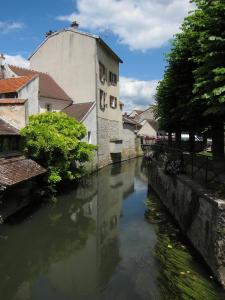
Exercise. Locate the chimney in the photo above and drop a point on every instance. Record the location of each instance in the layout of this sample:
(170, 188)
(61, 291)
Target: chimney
(50, 32)
(2, 59)
(2, 66)
(74, 25)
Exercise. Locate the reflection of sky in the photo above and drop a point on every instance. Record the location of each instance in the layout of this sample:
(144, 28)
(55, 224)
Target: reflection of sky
(133, 279)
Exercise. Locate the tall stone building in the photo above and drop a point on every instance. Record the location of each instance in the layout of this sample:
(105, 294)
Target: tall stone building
(88, 70)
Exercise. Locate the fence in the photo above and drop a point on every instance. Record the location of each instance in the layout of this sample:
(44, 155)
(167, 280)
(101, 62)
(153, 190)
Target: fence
(205, 169)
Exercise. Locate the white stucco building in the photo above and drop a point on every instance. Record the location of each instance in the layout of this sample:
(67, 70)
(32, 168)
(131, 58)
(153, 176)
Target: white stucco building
(88, 70)
(26, 92)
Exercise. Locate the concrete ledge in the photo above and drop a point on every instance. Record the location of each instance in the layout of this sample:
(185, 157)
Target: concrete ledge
(200, 215)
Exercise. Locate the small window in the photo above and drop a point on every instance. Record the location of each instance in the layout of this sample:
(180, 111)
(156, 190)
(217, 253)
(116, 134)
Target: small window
(102, 73)
(113, 102)
(89, 137)
(48, 107)
(112, 78)
(102, 99)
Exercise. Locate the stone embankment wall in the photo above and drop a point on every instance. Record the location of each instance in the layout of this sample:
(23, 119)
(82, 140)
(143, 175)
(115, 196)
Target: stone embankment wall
(200, 215)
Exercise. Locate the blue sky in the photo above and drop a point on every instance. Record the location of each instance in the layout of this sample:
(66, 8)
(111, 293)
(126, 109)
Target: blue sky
(138, 31)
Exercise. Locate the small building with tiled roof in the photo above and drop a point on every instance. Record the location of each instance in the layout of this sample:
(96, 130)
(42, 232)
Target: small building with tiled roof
(85, 113)
(131, 142)
(149, 129)
(24, 92)
(18, 183)
(48, 88)
(51, 97)
(78, 111)
(135, 112)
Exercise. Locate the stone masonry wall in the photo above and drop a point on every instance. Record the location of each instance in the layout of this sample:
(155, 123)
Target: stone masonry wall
(200, 215)
(107, 130)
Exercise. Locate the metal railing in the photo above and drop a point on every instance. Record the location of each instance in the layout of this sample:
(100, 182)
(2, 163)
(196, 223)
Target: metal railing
(203, 168)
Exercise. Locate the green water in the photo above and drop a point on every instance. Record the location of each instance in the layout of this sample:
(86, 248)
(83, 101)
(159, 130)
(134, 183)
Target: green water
(94, 243)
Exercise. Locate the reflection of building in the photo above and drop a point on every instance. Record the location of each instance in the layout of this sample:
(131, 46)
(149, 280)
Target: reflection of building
(77, 241)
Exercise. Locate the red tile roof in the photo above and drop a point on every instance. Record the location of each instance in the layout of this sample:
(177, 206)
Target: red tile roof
(17, 169)
(7, 101)
(11, 85)
(48, 88)
(78, 111)
(7, 129)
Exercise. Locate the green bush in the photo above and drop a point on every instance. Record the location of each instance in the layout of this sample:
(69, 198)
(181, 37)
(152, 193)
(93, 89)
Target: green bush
(55, 141)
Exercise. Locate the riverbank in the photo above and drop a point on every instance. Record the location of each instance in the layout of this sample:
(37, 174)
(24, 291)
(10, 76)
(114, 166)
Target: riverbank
(93, 243)
(200, 215)
(180, 277)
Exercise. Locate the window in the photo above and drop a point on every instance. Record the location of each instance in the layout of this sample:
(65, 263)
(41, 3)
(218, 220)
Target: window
(102, 73)
(113, 102)
(89, 137)
(112, 78)
(48, 107)
(102, 99)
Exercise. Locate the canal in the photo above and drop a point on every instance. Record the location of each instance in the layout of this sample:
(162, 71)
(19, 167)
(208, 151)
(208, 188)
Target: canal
(95, 243)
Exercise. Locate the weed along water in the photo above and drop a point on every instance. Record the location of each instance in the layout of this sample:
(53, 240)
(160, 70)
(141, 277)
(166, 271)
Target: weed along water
(107, 239)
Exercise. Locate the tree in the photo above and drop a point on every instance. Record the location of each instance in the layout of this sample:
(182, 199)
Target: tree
(192, 92)
(209, 87)
(55, 141)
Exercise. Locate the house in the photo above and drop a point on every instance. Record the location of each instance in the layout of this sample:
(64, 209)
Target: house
(51, 97)
(149, 130)
(88, 71)
(135, 113)
(131, 142)
(24, 92)
(85, 113)
(147, 114)
(16, 172)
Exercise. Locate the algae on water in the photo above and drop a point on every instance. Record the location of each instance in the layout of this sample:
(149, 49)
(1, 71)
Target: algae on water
(178, 278)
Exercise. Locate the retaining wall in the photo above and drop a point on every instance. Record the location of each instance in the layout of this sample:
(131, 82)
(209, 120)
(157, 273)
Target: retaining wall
(200, 215)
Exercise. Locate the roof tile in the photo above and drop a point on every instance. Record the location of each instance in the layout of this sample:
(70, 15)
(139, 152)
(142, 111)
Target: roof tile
(47, 86)
(11, 85)
(13, 101)
(78, 111)
(14, 170)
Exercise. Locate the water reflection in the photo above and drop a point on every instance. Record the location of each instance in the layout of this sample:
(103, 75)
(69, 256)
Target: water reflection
(72, 249)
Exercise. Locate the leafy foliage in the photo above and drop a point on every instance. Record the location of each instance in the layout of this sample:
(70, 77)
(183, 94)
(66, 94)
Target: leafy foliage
(55, 141)
(191, 95)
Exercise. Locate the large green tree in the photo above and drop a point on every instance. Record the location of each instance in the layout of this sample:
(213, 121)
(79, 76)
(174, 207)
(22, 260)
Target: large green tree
(55, 141)
(209, 86)
(192, 92)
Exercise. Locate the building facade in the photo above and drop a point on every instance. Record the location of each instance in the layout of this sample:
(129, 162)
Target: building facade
(88, 70)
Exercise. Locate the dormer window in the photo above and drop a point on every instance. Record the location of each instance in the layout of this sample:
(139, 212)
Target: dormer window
(102, 73)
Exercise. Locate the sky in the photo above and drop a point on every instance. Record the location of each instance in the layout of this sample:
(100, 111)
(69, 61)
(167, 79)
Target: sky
(139, 31)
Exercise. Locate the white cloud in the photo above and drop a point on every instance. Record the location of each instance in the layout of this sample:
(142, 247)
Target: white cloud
(17, 60)
(140, 24)
(136, 93)
(6, 27)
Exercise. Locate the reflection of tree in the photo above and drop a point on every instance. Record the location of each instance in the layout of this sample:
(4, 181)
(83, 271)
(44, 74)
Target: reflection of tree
(85, 218)
(54, 237)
